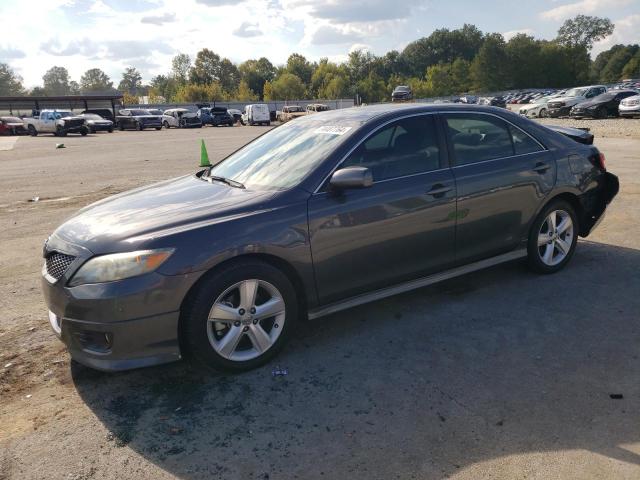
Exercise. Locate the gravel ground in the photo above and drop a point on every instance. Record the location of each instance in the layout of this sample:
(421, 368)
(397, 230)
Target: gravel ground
(499, 374)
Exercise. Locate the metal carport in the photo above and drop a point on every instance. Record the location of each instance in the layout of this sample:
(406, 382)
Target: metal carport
(25, 106)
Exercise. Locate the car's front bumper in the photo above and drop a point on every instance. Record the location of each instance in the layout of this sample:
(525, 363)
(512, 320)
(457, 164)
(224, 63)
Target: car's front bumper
(117, 325)
(629, 111)
(559, 111)
(100, 127)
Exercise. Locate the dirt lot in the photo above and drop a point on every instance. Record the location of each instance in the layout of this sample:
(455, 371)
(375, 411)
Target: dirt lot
(499, 374)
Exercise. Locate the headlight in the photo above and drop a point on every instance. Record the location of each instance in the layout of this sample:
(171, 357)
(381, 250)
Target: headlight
(107, 268)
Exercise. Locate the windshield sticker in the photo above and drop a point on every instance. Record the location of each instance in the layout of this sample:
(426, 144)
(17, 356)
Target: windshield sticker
(333, 130)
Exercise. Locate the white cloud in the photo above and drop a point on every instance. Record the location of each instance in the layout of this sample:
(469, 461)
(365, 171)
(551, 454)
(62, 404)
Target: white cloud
(512, 33)
(584, 7)
(159, 19)
(247, 30)
(627, 31)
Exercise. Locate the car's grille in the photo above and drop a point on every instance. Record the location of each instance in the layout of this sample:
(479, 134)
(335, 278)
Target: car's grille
(58, 263)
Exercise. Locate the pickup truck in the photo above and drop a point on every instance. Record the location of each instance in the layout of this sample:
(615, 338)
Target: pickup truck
(561, 106)
(58, 122)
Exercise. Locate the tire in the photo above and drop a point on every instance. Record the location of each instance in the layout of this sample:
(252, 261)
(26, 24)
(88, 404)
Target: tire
(230, 124)
(158, 128)
(543, 113)
(120, 127)
(204, 341)
(166, 125)
(32, 131)
(602, 113)
(110, 130)
(60, 132)
(268, 124)
(84, 131)
(559, 246)
(139, 126)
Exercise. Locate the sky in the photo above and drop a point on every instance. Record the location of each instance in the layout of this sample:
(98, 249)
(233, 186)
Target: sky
(114, 34)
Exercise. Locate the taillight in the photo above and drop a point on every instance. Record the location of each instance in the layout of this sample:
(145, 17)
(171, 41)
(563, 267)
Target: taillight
(601, 161)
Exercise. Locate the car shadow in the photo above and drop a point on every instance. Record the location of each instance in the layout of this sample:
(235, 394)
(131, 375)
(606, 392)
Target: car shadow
(496, 363)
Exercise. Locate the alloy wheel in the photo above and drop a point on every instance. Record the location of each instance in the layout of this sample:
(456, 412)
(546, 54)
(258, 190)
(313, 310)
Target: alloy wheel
(555, 237)
(246, 320)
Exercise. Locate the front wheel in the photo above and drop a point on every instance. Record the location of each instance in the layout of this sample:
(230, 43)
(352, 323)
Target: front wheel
(543, 113)
(240, 316)
(139, 127)
(602, 112)
(60, 131)
(32, 131)
(166, 125)
(158, 128)
(85, 131)
(553, 238)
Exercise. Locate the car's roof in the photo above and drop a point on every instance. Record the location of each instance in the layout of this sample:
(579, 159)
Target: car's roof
(369, 112)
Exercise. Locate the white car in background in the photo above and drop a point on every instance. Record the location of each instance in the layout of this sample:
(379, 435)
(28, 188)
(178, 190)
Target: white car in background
(537, 108)
(256, 113)
(630, 107)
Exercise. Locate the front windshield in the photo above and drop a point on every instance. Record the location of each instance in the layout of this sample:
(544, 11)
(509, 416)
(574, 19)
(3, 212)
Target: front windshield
(58, 115)
(139, 112)
(282, 157)
(576, 92)
(155, 112)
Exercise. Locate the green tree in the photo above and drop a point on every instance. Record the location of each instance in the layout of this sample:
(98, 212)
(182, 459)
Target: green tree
(228, 75)
(359, 65)
(164, 86)
(613, 70)
(244, 93)
(256, 72)
(461, 75)
(206, 67)
(10, 82)
(337, 87)
(439, 81)
(95, 80)
(584, 31)
(632, 68)
(131, 81)
(299, 66)
(523, 52)
(180, 66)
(56, 81)
(373, 89)
(489, 67)
(286, 87)
(191, 92)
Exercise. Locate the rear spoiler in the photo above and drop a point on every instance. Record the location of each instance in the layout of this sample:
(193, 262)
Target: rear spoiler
(580, 135)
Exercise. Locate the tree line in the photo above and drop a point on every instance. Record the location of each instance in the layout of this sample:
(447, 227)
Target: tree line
(446, 62)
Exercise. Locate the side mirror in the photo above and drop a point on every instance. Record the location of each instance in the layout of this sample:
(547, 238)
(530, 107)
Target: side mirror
(351, 177)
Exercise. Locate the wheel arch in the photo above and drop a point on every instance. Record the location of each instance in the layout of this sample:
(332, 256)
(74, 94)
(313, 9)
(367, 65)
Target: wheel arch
(284, 266)
(573, 199)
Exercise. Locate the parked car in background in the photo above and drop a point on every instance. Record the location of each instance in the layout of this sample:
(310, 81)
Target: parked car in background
(256, 114)
(12, 126)
(215, 116)
(561, 106)
(236, 115)
(322, 214)
(602, 106)
(317, 107)
(289, 112)
(58, 122)
(105, 113)
(493, 101)
(96, 123)
(630, 107)
(155, 111)
(468, 99)
(180, 118)
(137, 119)
(536, 109)
(401, 93)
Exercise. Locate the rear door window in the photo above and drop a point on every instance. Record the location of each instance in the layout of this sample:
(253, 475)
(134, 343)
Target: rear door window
(523, 143)
(478, 138)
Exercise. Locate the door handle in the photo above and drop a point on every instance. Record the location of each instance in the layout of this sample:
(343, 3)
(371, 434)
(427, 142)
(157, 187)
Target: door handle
(438, 190)
(541, 167)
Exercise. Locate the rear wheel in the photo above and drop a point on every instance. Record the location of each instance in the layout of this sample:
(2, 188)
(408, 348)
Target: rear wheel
(543, 113)
(553, 238)
(32, 131)
(121, 127)
(158, 128)
(60, 131)
(602, 112)
(239, 317)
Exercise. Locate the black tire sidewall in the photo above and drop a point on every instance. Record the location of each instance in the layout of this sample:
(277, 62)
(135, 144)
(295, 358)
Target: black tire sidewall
(194, 338)
(533, 257)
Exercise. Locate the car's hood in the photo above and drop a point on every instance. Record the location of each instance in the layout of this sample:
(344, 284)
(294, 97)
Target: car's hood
(144, 211)
(589, 103)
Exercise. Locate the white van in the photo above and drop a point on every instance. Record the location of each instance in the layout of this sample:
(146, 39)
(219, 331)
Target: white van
(257, 113)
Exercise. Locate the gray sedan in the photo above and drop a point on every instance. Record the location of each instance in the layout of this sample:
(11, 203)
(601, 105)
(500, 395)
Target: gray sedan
(319, 215)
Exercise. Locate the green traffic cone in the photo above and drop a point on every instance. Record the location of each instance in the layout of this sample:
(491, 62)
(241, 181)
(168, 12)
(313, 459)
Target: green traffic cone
(204, 157)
